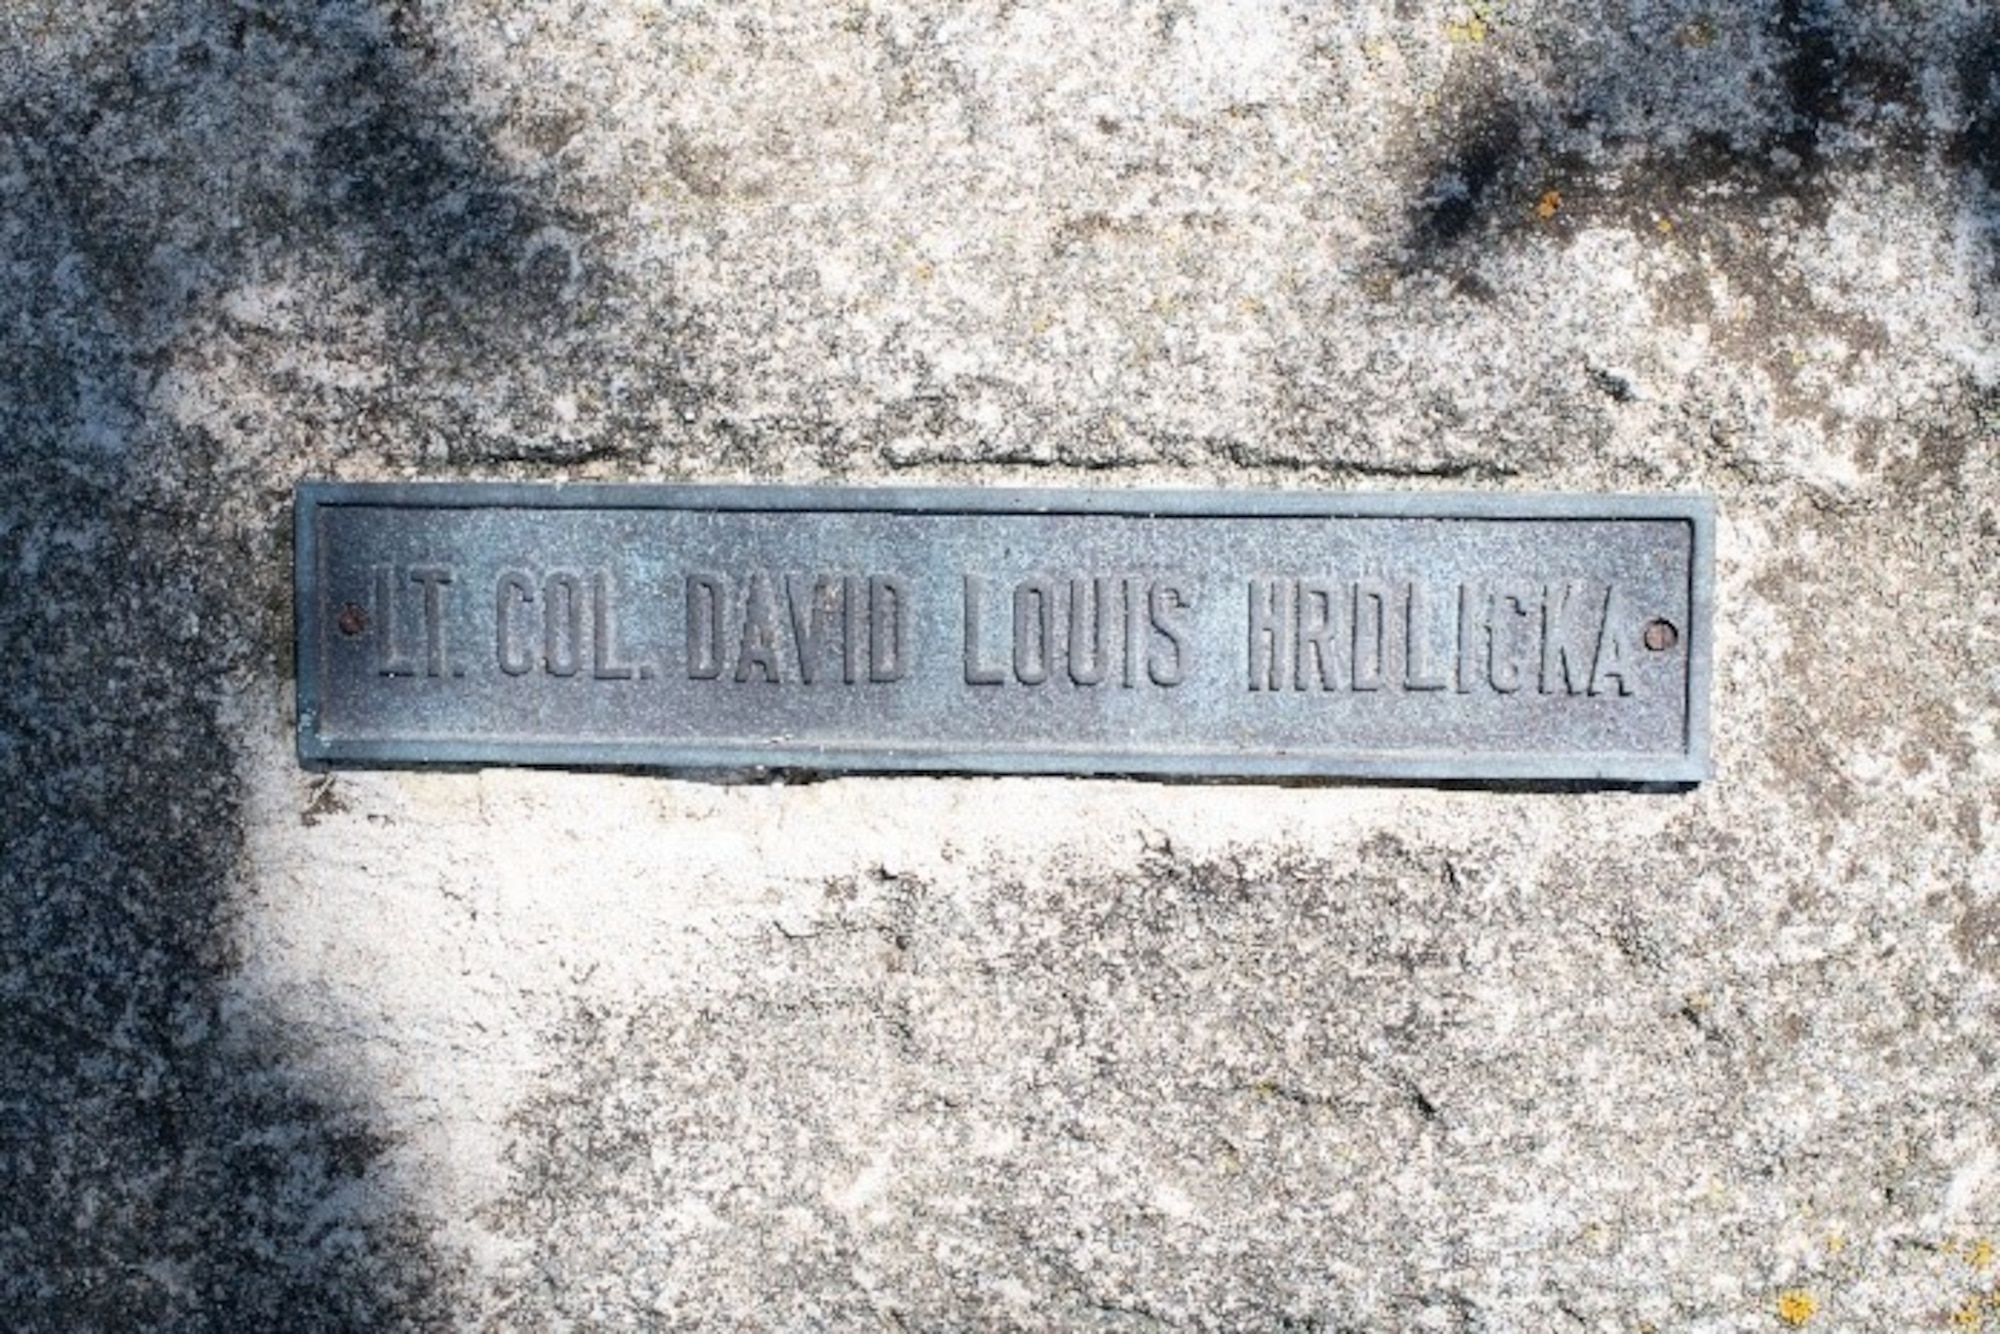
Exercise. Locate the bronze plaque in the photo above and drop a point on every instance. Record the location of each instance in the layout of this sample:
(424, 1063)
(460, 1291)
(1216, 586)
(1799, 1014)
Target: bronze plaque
(1205, 634)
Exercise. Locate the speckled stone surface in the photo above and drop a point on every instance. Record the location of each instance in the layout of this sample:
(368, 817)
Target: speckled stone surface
(512, 1050)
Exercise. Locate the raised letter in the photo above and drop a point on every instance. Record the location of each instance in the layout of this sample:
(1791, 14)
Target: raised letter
(854, 627)
(1371, 634)
(705, 598)
(392, 662)
(757, 651)
(888, 627)
(1319, 607)
(1612, 651)
(1166, 603)
(810, 600)
(1565, 609)
(1035, 623)
(603, 634)
(514, 590)
(1270, 604)
(1471, 606)
(1135, 629)
(562, 624)
(1098, 632)
(1505, 651)
(1418, 671)
(433, 579)
(976, 673)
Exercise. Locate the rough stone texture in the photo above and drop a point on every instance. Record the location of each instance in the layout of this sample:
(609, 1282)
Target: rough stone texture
(526, 1051)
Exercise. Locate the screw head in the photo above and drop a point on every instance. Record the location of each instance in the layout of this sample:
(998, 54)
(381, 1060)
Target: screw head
(1659, 636)
(351, 621)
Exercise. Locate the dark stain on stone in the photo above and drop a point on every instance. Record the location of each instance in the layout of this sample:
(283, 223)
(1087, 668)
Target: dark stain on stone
(1813, 73)
(1977, 145)
(701, 169)
(1490, 150)
(1969, 825)
(1467, 169)
(1462, 187)
(1712, 199)
(1976, 933)
(418, 195)
(1939, 460)
(168, 1162)
(324, 800)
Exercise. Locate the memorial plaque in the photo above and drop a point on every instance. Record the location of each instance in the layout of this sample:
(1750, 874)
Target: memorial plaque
(1208, 634)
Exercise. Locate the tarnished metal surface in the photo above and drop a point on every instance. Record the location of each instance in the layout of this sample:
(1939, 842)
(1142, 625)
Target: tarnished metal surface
(1196, 633)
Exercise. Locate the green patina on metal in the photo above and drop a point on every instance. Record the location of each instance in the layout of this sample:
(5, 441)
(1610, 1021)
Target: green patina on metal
(1204, 634)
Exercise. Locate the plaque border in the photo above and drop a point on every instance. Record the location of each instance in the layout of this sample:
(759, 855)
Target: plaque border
(1688, 768)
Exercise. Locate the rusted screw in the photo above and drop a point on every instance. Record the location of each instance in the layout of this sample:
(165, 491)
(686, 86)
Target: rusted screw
(352, 620)
(1661, 636)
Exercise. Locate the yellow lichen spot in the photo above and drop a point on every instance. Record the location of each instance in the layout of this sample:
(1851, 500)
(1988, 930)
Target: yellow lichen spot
(1835, 1243)
(1665, 226)
(1796, 1306)
(1979, 1253)
(1474, 22)
(925, 270)
(1967, 1314)
(1697, 34)
(1549, 204)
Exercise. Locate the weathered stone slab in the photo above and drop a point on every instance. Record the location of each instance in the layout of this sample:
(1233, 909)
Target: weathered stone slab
(1190, 633)
(503, 1050)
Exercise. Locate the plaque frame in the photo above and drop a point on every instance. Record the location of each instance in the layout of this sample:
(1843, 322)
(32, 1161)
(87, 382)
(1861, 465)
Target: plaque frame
(1690, 765)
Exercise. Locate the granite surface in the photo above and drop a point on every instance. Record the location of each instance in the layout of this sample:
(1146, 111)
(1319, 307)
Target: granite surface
(516, 1050)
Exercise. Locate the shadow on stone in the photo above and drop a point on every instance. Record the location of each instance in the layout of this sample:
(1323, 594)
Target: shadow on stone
(1604, 140)
(169, 1161)
(1976, 147)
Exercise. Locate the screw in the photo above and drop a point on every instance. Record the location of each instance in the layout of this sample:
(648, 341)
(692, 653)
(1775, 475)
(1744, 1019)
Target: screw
(352, 620)
(1661, 636)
